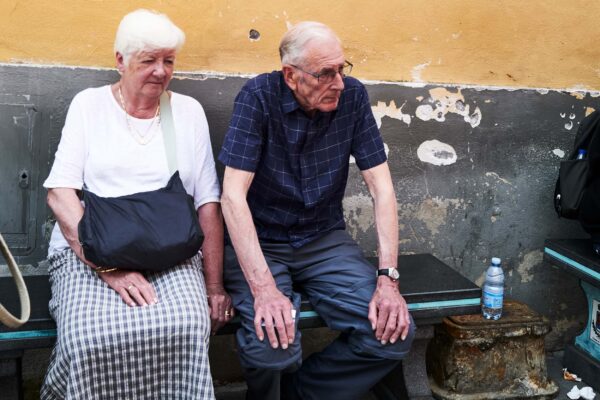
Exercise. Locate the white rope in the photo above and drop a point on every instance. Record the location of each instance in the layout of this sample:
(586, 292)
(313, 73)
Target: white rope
(5, 317)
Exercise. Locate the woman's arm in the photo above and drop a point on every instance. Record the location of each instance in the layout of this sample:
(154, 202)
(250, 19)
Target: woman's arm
(211, 223)
(68, 211)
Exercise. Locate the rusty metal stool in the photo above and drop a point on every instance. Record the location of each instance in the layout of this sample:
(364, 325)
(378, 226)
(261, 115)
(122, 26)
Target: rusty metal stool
(474, 358)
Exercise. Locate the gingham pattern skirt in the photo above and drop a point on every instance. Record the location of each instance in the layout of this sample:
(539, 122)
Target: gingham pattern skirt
(106, 349)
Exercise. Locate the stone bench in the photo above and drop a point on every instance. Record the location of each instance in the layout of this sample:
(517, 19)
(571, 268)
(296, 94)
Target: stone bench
(432, 290)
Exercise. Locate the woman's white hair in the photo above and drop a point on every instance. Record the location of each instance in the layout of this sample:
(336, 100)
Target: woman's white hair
(294, 42)
(145, 30)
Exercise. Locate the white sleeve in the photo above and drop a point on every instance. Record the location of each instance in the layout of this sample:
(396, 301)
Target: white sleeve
(206, 187)
(69, 160)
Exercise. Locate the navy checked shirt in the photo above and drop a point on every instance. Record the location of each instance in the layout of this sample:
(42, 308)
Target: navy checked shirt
(300, 164)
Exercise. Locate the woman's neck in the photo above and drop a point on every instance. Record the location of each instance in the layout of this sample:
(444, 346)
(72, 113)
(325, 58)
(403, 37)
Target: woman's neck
(136, 105)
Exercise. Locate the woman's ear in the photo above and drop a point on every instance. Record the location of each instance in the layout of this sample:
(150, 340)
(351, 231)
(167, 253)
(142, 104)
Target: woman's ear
(120, 62)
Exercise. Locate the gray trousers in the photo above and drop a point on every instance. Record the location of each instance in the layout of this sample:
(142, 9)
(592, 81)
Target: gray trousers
(339, 283)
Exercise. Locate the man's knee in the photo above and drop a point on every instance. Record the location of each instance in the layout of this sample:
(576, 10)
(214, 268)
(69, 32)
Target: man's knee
(259, 354)
(368, 344)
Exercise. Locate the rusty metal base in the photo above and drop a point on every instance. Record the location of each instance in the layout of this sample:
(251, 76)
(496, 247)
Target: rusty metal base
(473, 358)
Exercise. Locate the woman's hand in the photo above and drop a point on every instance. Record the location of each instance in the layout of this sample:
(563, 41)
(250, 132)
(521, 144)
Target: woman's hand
(132, 286)
(221, 310)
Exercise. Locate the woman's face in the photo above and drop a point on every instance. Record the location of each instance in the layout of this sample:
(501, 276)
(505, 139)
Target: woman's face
(148, 72)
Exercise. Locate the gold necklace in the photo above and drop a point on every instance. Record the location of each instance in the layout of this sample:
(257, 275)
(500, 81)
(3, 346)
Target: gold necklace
(142, 139)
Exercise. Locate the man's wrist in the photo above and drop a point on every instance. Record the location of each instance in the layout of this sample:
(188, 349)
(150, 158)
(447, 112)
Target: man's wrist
(389, 272)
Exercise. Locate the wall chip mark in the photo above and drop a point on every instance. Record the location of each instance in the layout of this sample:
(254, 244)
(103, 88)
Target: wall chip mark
(254, 35)
(589, 110)
(495, 175)
(417, 70)
(436, 153)
(383, 110)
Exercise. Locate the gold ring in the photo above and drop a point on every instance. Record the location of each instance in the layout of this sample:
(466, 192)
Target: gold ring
(227, 314)
(129, 287)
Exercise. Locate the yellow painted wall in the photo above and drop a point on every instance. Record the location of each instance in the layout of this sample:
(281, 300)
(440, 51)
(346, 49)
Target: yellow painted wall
(533, 43)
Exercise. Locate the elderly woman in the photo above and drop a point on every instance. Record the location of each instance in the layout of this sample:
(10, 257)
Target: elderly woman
(122, 333)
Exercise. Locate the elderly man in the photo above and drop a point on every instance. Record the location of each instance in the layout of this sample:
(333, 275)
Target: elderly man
(287, 155)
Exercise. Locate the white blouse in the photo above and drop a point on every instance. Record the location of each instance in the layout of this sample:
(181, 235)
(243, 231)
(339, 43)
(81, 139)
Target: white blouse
(98, 150)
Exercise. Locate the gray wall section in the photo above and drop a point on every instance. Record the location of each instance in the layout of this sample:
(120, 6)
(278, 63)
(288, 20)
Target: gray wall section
(495, 200)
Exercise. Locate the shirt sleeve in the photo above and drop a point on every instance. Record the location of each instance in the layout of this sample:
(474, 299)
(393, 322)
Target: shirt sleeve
(206, 187)
(367, 144)
(69, 161)
(243, 142)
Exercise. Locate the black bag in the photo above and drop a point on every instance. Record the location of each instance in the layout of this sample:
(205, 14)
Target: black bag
(574, 174)
(146, 231)
(151, 230)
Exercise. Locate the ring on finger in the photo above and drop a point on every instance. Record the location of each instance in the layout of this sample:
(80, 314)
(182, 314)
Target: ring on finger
(227, 314)
(130, 287)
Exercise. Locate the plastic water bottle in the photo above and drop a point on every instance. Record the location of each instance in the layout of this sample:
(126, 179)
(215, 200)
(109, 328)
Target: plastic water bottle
(493, 291)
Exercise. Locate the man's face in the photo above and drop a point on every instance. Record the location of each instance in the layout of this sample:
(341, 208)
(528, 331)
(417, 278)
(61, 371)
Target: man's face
(320, 58)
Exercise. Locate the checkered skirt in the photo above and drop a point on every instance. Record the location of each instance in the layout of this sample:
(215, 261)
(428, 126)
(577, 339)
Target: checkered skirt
(108, 350)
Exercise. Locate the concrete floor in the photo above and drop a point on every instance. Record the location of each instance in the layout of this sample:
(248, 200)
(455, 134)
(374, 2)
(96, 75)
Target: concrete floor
(236, 391)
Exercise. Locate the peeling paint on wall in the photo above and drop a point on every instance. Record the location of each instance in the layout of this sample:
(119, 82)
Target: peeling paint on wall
(589, 110)
(382, 109)
(569, 124)
(442, 101)
(530, 260)
(436, 153)
(558, 152)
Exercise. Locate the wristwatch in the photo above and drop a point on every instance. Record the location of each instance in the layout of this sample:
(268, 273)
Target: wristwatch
(392, 273)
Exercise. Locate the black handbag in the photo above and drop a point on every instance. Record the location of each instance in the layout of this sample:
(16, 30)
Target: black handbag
(152, 230)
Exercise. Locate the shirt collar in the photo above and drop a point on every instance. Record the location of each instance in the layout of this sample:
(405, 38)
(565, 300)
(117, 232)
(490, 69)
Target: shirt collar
(288, 101)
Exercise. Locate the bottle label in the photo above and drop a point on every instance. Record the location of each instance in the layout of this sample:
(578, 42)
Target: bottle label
(492, 300)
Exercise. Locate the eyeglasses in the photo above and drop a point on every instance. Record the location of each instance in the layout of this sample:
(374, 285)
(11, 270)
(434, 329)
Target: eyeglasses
(328, 75)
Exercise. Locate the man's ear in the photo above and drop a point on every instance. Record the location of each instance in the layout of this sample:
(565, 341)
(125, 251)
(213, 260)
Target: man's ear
(289, 76)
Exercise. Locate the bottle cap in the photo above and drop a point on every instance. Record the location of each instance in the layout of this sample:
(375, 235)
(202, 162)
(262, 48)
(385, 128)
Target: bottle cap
(581, 151)
(496, 260)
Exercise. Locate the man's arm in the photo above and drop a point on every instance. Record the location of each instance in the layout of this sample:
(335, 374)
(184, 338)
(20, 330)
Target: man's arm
(270, 305)
(388, 311)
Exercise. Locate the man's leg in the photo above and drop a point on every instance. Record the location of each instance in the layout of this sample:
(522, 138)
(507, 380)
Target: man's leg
(262, 365)
(340, 282)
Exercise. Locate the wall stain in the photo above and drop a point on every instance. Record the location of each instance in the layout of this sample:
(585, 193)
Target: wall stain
(530, 260)
(358, 213)
(433, 212)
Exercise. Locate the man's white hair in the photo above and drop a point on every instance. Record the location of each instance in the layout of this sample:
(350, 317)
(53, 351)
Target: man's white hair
(294, 42)
(145, 30)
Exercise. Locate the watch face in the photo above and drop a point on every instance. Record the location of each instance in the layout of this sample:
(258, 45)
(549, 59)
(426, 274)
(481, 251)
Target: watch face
(394, 274)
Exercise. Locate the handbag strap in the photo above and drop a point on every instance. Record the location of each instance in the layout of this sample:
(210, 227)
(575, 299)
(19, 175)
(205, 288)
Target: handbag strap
(6, 317)
(168, 128)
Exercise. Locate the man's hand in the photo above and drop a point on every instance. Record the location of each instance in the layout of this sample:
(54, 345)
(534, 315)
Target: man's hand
(221, 310)
(273, 310)
(388, 312)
